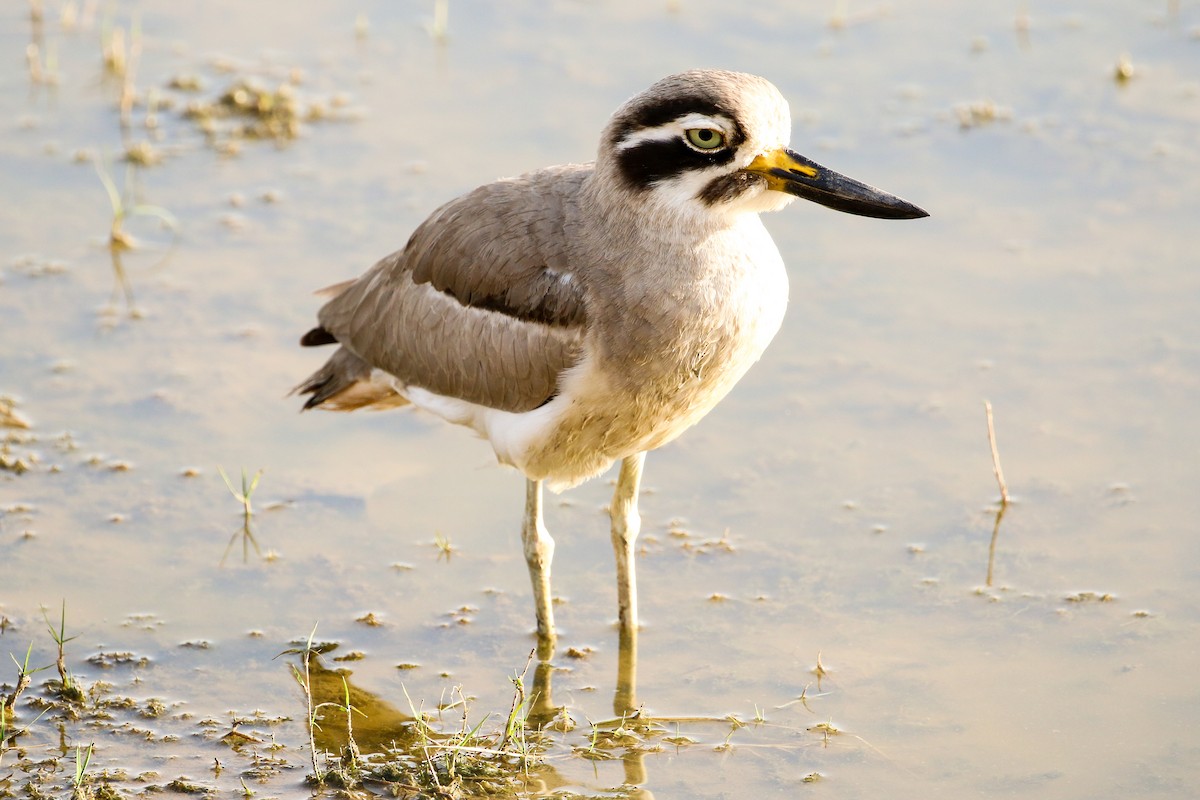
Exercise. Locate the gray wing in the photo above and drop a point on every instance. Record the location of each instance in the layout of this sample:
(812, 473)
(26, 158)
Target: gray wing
(484, 303)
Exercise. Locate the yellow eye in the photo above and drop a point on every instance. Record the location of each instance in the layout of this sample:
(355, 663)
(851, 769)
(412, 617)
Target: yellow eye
(705, 138)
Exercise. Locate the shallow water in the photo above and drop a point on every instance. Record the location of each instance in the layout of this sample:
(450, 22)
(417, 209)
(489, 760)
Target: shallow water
(849, 473)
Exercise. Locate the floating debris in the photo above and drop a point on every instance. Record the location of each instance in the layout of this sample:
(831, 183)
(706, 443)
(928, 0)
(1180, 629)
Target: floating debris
(250, 110)
(236, 738)
(980, 113)
(143, 154)
(1124, 71)
(15, 453)
(106, 660)
(9, 418)
(186, 83)
(258, 112)
(826, 729)
(721, 544)
(1090, 597)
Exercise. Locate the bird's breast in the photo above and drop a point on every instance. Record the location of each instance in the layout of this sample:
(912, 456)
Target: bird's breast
(684, 335)
(693, 327)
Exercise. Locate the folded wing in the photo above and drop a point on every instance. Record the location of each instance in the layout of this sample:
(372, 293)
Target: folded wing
(483, 304)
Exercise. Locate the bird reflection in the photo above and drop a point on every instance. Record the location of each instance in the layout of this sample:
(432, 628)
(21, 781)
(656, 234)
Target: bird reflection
(543, 712)
(381, 727)
(625, 702)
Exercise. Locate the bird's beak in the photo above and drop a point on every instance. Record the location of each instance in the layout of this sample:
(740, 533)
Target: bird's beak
(788, 171)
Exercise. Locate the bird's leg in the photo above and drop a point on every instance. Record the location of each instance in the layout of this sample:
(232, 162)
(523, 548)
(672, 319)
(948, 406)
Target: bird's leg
(539, 551)
(625, 526)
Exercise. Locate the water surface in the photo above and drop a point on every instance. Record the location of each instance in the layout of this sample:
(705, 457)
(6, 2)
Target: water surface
(838, 505)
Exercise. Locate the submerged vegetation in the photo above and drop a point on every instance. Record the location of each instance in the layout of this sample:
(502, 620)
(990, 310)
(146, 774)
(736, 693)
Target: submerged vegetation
(249, 109)
(421, 755)
(81, 737)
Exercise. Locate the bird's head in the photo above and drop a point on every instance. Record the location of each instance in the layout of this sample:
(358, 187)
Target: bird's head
(715, 144)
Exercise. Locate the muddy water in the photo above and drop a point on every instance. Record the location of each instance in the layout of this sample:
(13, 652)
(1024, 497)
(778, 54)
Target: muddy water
(838, 506)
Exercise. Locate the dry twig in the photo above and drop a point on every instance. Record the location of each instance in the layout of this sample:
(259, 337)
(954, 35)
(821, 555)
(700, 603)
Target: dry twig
(991, 428)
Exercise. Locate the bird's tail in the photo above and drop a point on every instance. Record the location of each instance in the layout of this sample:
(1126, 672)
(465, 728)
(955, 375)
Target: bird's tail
(346, 383)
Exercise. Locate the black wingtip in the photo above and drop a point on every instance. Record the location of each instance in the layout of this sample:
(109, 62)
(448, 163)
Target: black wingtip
(317, 337)
(316, 387)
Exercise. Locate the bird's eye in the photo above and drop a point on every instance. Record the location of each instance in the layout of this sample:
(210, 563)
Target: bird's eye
(705, 138)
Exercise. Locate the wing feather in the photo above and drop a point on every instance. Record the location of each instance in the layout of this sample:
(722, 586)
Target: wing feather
(484, 303)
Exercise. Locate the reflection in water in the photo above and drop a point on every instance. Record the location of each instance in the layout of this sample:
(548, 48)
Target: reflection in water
(625, 697)
(246, 533)
(243, 496)
(625, 703)
(406, 751)
(542, 711)
(351, 721)
(379, 725)
(39, 71)
(122, 287)
(636, 774)
(998, 471)
(120, 241)
(992, 546)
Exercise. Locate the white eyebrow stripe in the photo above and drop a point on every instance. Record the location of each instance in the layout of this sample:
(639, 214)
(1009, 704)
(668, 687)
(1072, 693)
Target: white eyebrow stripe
(674, 128)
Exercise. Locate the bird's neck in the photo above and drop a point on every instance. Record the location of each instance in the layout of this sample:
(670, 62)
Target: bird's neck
(655, 218)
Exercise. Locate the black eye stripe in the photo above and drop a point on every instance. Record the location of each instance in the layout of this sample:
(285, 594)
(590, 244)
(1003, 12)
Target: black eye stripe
(648, 162)
(662, 112)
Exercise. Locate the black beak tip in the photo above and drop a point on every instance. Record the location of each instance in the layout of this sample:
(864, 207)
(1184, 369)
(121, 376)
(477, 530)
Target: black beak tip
(909, 211)
(881, 205)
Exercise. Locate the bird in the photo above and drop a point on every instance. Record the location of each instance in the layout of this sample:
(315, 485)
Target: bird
(581, 315)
